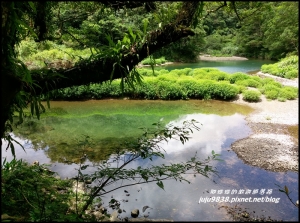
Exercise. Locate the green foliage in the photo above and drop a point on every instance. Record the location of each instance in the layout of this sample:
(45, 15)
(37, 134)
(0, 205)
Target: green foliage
(249, 83)
(287, 67)
(146, 147)
(251, 95)
(31, 192)
(37, 192)
(264, 30)
(173, 85)
(287, 192)
(199, 83)
(271, 91)
(225, 91)
(238, 76)
(288, 93)
(158, 61)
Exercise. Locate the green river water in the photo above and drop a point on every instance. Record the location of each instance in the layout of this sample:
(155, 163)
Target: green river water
(110, 123)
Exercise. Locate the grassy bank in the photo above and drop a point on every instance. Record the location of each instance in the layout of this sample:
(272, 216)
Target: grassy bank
(200, 83)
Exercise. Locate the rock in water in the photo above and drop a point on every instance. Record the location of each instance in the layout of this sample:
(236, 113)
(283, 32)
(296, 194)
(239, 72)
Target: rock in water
(135, 213)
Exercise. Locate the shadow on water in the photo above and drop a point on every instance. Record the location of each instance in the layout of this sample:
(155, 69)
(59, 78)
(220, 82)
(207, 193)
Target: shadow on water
(222, 124)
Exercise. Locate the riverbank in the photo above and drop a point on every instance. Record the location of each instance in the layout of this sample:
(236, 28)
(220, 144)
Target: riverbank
(273, 144)
(212, 58)
(140, 65)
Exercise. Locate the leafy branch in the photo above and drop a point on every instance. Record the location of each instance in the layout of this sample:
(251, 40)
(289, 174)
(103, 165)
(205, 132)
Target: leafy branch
(146, 147)
(285, 190)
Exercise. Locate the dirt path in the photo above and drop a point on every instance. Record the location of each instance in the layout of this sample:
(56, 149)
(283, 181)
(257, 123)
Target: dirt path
(274, 142)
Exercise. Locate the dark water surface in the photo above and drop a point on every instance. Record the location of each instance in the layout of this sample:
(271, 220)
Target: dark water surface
(54, 139)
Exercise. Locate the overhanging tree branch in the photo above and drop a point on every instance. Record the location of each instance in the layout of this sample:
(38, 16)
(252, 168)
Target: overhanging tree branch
(100, 70)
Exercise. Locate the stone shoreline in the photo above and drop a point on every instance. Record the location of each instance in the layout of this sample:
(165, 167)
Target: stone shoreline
(271, 146)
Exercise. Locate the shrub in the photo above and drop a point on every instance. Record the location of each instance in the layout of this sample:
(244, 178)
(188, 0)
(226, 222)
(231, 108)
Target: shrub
(271, 91)
(189, 87)
(205, 89)
(241, 88)
(287, 67)
(229, 50)
(288, 93)
(271, 81)
(218, 75)
(168, 77)
(169, 91)
(281, 99)
(251, 95)
(200, 73)
(271, 94)
(225, 91)
(249, 83)
(160, 60)
(291, 74)
(237, 76)
(188, 71)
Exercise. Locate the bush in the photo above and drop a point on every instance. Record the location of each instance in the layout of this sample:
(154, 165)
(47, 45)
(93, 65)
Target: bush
(291, 74)
(281, 99)
(288, 93)
(287, 67)
(169, 91)
(168, 77)
(271, 81)
(271, 94)
(251, 95)
(148, 61)
(23, 184)
(218, 75)
(225, 91)
(249, 83)
(238, 76)
(189, 87)
(271, 91)
(229, 50)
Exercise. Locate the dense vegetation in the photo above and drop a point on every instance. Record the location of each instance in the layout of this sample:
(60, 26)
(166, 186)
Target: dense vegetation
(200, 83)
(252, 33)
(287, 68)
(265, 30)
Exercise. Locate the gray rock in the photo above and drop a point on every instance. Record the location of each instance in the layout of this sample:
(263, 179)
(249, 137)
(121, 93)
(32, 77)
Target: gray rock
(135, 213)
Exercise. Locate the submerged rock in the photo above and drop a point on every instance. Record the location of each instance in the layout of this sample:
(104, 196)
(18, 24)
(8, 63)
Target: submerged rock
(135, 213)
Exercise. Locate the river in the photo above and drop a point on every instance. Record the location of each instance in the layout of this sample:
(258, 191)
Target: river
(54, 140)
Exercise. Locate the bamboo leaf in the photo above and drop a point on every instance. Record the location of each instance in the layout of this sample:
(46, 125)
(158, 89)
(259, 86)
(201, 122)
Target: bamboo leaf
(32, 6)
(37, 110)
(32, 108)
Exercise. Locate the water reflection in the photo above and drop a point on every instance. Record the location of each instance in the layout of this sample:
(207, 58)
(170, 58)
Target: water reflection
(180, 201)
(226, 66)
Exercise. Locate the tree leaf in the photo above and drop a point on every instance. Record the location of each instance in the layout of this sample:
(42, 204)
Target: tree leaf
(286, 189)
(160, 184)
(84, 167)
